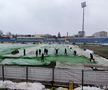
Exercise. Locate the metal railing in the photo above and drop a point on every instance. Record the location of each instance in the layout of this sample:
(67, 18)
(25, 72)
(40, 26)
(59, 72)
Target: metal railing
(53, 75)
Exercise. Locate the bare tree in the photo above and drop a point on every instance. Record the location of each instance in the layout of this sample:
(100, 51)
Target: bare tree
(8, 33)
(1, 33)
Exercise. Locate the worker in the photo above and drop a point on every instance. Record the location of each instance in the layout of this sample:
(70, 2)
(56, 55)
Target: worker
(70, 47)
(56, 51)
(42, 57)
(91, 57)
(39, 51)
(36, 53)
(46, 51)
(24, 52)
(65, 51)
(75, 52)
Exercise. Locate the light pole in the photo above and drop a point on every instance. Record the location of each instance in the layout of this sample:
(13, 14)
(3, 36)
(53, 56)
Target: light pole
(83, 5)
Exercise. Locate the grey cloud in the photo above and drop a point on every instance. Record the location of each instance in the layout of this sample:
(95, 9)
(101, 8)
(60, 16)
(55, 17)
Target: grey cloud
(52, 16)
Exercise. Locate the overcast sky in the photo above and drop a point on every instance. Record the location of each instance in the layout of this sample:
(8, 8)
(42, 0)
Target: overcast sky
(52, 16)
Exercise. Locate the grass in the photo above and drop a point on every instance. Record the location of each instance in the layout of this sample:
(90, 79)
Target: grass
(70, 59)
(51, 57)
(98, 49)
(37, 60)
(8, 48)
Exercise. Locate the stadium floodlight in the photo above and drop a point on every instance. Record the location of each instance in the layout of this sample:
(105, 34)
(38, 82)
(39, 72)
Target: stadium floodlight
(83, 4)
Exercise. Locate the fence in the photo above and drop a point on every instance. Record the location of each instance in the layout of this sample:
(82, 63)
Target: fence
(63, 75)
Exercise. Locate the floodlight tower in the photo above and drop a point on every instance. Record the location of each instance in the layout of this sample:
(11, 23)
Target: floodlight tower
(83, 5)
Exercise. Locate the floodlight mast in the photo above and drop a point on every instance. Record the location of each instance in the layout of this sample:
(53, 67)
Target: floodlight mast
(83, 5)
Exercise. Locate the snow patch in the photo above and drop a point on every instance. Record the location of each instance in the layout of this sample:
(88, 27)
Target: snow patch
(88, 88)
(22, 85)
(89, 51)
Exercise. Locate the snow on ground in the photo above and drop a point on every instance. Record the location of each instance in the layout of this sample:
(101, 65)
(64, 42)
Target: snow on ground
(31, 52)
(101, 61)
(22, 85)
(88, 88)
(89, 51)
(84, 88)
(60, 88)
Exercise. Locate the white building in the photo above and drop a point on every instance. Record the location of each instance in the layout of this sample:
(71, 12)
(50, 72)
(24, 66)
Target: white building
(100, 34)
